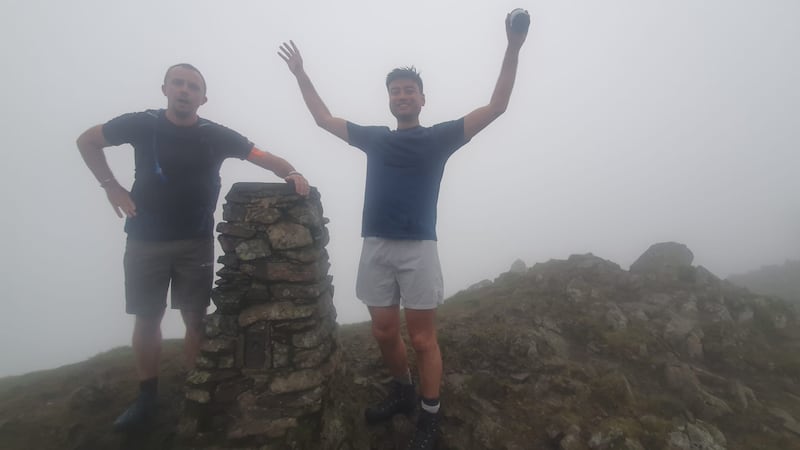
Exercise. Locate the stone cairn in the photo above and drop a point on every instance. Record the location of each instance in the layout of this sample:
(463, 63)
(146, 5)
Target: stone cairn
(271, 345)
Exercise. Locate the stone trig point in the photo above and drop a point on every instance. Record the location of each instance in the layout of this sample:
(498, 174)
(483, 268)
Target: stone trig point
(271, 345)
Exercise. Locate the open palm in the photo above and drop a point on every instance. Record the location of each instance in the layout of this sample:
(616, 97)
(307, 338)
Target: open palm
(290, 54)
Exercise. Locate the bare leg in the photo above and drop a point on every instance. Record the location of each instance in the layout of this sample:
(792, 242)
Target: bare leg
(146, 344)
(194, 336)
(386, 331)
(422, 331)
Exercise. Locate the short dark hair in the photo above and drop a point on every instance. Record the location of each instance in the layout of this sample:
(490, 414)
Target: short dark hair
(405, 73)
(186, 66)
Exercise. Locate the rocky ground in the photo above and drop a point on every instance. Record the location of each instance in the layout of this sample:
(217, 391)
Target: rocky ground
(569, 354)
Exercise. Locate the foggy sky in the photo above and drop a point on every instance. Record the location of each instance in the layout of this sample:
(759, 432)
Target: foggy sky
(631, 122)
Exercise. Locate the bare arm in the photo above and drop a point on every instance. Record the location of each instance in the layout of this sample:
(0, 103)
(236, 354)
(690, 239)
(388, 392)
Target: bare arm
(279, 167)
(322, 116)
(91, 144)
(477, 120)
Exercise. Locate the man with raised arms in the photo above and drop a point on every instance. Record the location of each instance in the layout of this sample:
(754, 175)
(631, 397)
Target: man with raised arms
(399, 261)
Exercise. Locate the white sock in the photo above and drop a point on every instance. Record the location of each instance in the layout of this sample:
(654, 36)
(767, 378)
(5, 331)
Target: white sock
(433, 409)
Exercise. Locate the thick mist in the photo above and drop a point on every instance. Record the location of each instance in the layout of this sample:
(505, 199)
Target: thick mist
(631, 123)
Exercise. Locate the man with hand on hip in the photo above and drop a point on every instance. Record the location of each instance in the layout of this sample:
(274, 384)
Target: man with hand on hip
(170, 216)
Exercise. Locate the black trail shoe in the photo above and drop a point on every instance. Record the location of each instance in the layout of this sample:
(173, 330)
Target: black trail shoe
(427, 435)
(402, 399)
(140, 413)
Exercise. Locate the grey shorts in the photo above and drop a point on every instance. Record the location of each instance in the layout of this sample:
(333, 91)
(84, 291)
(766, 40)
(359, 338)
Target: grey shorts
(399, 272)
(152, 266)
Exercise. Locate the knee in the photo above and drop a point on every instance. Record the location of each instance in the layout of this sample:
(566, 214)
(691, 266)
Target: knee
(424, 342)
(385, 333)
(147, 325)
(193, 321)
(195, 330)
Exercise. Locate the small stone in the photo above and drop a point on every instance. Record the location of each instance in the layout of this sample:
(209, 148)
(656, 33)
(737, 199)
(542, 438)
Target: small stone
(694, 346)
(276, 271)
(312, 398)
(325, 305)
(229, 243)
(263, 215)
(520, 377)
(301, 380)
(219, 344)
(306, 359)
(226, 362)
(252, 249)
(227, 391)
(198, 377)
(258, 293)
(309, 215)
(304, 255)
(315, 337)
(275, 311)
(292, 327)
(297, 381)
(227, 301)
(229, 260)
(198, 395)
(216, 324)
(280, 355)
(322, 238)
(204, 362)
(285, 235)
(294, 291)
(236, 230)
(233, 213)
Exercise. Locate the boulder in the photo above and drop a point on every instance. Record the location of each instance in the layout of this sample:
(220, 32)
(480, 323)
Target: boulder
(663, 256)
(518, 266)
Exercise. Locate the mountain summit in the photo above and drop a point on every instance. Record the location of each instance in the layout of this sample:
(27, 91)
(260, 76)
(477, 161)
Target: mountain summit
(569, 354)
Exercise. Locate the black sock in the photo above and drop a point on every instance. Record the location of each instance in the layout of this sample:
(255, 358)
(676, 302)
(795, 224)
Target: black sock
(149, 387)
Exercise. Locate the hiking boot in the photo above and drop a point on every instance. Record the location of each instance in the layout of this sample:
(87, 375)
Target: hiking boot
(141, 412)
(402, 399)
(427, 435)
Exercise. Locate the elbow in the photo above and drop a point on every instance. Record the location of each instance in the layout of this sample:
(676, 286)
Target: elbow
(83, 144)
(498, 111)
(497, 108)
(321, 122)
(89, 142)
(326, 123)
(81, 140)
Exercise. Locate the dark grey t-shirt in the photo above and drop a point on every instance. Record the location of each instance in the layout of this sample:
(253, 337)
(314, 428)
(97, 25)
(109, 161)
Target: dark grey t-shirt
(404, 171)
(177, 172)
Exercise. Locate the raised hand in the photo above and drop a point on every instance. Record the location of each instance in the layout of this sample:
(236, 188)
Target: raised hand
(290, 54)
(515, 38)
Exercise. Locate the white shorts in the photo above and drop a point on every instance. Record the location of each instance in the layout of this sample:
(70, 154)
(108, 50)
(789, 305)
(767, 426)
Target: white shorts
(400, 272)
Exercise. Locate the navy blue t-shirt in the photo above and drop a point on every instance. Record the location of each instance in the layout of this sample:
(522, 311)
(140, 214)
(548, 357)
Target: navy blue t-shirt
(404, 171)
(177, 172)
